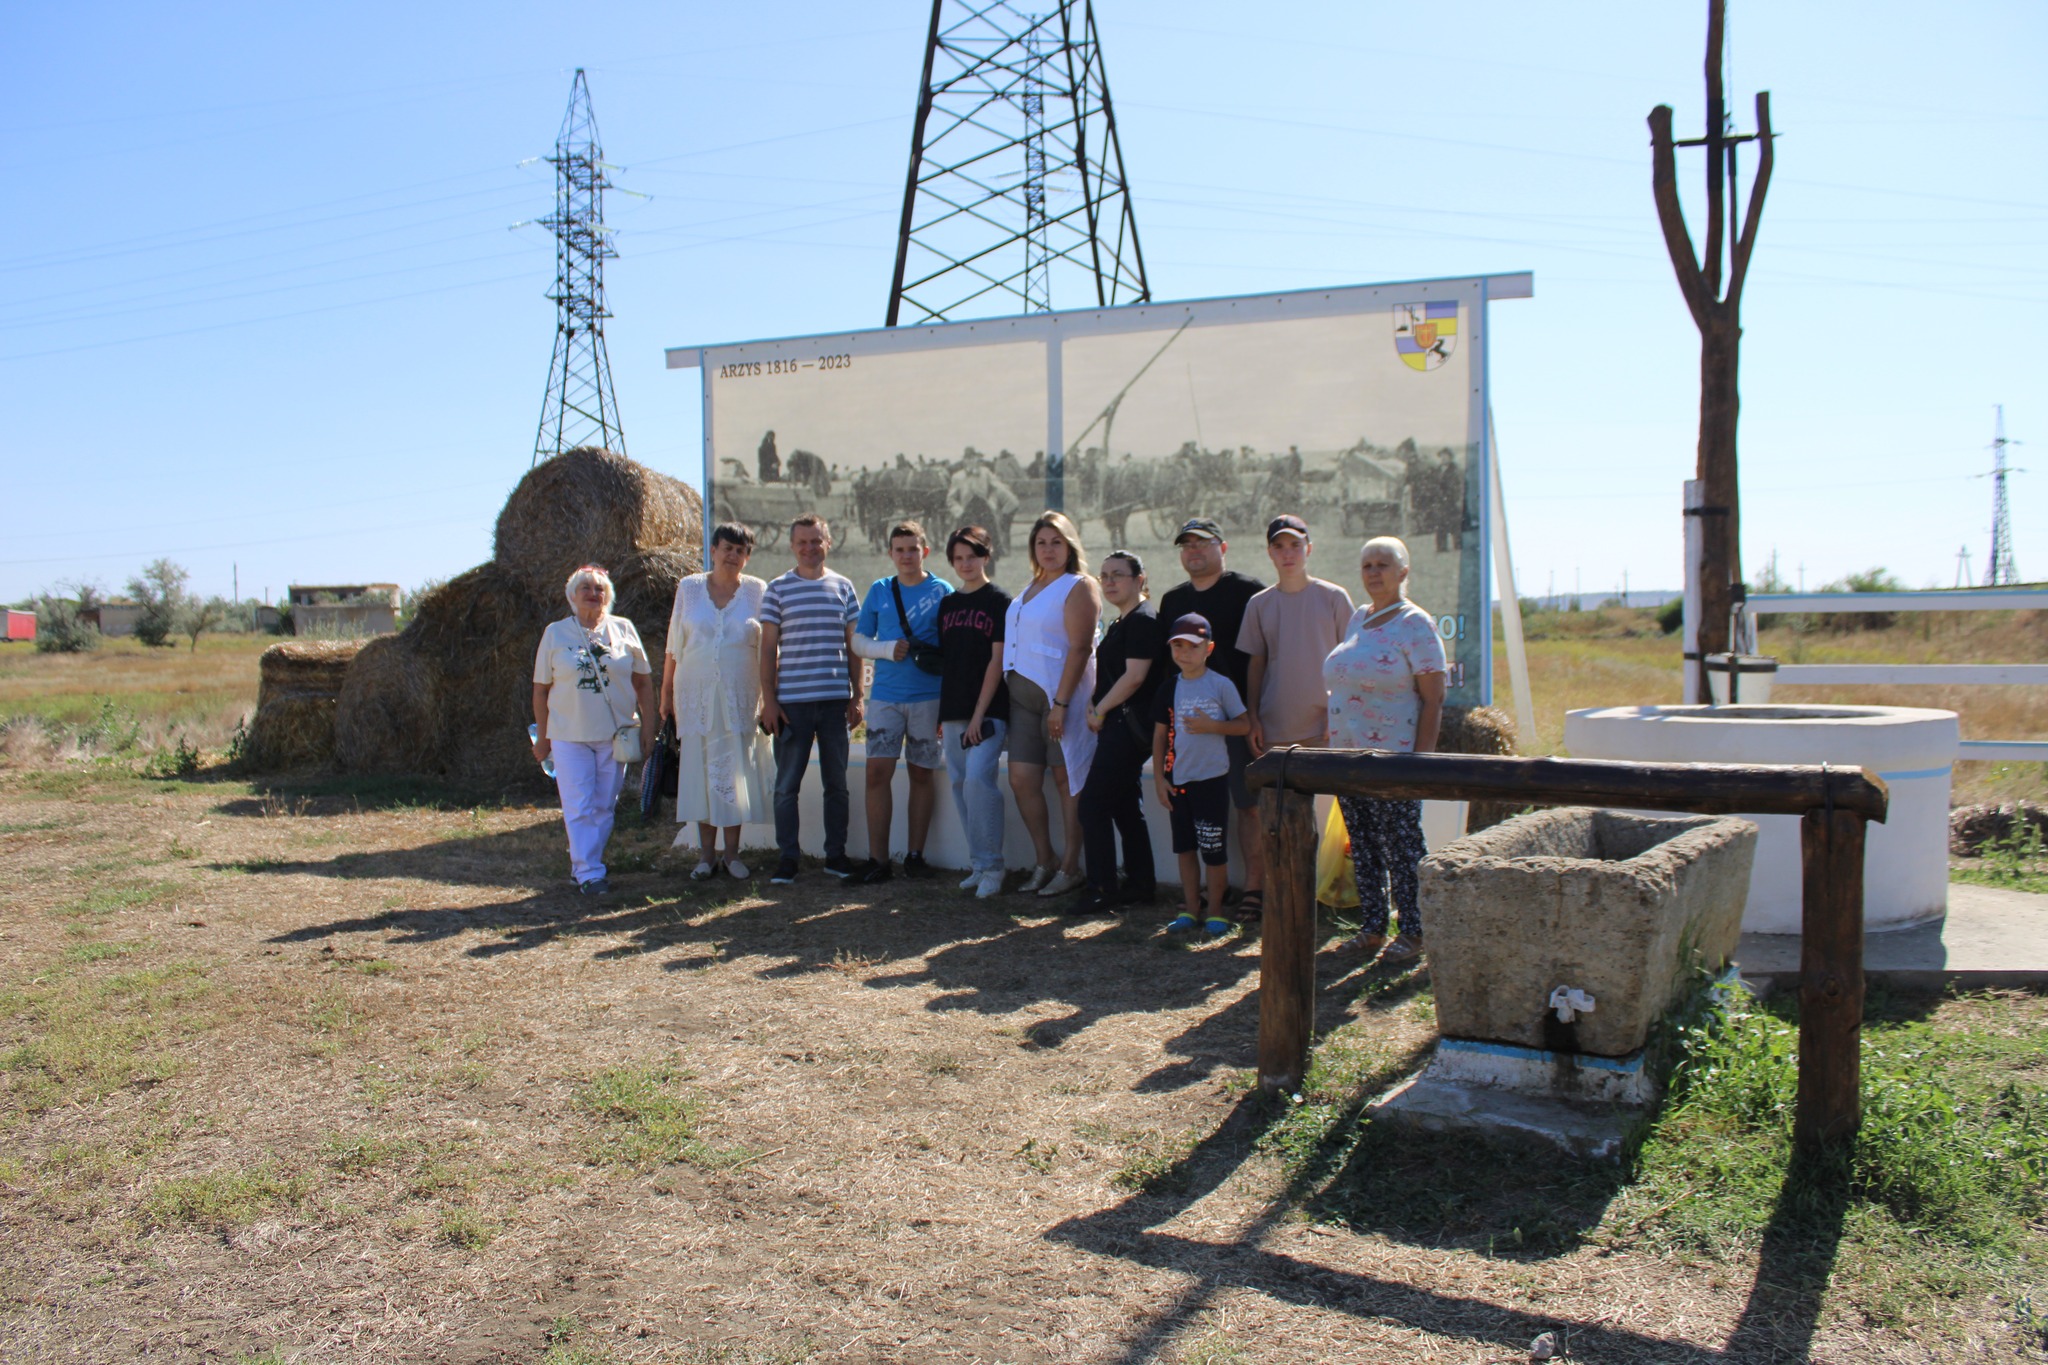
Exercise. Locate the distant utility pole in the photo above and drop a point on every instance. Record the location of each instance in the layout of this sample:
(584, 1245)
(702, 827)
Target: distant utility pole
(1963, 567)
(1016, 188)
(2000, 570)
(579, 409)
(1717, 315)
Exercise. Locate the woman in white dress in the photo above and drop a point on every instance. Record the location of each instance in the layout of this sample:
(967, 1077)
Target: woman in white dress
(1049, 663)
(711, 684)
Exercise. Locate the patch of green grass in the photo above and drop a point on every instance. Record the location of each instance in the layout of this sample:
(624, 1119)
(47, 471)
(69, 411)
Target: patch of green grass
(224, 1199)
(105, 900)
(1937, 1205)
(361, 1153)
(72, 1039)
(643, 1119)
(29, 826)
(1212, 1348)
(466, 1229)
(2015, 860)
(376, 966)
(99, 952)
(270, 1356)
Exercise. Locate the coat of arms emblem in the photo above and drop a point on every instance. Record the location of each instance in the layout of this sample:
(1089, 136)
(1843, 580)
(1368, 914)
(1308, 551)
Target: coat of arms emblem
(1425, 334)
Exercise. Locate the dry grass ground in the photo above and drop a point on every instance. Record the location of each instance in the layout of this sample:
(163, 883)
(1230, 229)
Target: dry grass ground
(341, 1071)
(317, 1075)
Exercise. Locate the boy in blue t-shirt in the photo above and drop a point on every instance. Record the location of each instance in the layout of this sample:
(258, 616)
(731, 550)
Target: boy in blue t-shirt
(1191, 713)
(899, 620)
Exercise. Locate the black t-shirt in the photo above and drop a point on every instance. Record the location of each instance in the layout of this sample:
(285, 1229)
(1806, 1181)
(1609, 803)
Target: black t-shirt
(1223, 604)
(1134, 635)
(970, 631)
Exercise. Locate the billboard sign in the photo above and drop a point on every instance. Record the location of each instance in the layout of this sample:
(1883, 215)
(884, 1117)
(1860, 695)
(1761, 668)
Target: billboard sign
(1360, 409)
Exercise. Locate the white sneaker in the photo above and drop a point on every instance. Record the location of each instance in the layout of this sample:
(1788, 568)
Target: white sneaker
(1060, 885)
(1039, 877)
(988, 884)
(970, 881)
(737, 869)
(702, 872)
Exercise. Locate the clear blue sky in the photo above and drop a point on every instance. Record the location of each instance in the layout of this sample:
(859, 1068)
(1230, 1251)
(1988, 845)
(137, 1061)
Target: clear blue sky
(263, 308)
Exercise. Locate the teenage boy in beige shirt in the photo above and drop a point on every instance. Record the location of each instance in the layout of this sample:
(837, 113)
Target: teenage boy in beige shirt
(1288, 630)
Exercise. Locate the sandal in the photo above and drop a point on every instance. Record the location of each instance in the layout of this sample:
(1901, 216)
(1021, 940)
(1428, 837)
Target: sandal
(1251, 907)
(1180, 923)
(1406, 948)
(1369, 944)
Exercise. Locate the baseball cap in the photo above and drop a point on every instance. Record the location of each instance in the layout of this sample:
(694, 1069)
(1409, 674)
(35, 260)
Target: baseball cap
(1204, 527)
(1288, 525)
(1193, 626)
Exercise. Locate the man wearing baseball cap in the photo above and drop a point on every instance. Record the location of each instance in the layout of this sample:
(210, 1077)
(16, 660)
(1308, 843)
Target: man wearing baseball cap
(1289, 629)
(1220, 595)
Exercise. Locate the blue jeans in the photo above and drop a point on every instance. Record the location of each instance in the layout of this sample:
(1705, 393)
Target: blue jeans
(803, 722)
(975, 791)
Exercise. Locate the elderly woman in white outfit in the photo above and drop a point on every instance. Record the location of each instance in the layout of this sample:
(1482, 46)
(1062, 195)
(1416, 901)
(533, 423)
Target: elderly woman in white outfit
(1049, 662)
(711, 684)
(591, 679)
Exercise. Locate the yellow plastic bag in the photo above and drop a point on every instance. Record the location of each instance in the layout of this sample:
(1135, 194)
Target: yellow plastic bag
(1336, 887)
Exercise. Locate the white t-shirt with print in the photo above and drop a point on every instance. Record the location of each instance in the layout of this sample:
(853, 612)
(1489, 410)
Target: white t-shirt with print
(589, 677)
(1371, 676)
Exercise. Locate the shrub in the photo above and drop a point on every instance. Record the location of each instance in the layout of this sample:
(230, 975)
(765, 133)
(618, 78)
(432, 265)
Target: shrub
(1671, 616)
(160, 589)
(61, 627)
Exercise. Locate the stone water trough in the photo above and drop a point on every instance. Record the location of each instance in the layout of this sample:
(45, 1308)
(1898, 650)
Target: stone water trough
(1556, 942)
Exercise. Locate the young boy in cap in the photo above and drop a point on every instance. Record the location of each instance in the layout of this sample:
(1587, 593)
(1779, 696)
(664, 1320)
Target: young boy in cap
(1191, 713)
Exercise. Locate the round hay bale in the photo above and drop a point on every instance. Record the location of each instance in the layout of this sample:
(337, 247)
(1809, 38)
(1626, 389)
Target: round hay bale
(316, 666)
(591, 506)
(1480, 730)
(292, 730)
(387, 719)
(646, 585)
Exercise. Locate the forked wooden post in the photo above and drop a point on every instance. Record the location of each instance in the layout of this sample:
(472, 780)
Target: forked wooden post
(1834, 805)
(1287, 940)
(1830, 978)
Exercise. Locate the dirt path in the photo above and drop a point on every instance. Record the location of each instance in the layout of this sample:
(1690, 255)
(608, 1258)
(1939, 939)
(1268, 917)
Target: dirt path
(337, 1083)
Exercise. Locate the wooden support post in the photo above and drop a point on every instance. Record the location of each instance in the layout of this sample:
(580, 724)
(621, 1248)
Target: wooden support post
(1830, 979)
(1287, 943)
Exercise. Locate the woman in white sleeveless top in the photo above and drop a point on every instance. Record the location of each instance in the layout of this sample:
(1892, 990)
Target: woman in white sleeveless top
(711, 684)
(1049, 661)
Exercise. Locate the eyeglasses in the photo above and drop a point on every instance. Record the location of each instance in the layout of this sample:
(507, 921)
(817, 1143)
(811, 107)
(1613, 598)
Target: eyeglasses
(1109, 574)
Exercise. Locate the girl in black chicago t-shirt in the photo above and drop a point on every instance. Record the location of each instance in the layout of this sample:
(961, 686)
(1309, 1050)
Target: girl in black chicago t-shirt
(1112, 804)
(974, 706)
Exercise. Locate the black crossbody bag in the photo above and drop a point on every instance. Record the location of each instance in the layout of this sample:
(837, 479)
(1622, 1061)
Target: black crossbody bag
(929, 658)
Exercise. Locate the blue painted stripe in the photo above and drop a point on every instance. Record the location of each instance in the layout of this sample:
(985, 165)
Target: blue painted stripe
(1509, 1051)
(1942, 771)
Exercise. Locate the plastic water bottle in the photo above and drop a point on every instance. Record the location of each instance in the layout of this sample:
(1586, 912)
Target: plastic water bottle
(547, 765)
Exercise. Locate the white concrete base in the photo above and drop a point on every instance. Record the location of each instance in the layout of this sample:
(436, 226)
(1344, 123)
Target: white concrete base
(946, 846)
(1905, 866)
(1589, 1131)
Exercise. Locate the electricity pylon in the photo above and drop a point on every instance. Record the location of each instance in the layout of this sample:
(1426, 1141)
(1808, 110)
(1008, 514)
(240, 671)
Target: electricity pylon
(2000, 570)
(579, 409)
(1016, 191)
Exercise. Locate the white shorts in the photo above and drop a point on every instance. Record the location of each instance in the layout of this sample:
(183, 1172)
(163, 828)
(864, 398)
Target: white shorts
(894, 724)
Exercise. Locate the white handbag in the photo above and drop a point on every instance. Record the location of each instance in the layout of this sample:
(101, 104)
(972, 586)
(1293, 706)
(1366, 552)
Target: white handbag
(626, 738)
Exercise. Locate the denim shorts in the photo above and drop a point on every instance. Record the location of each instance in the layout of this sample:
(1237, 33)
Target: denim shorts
(893, 725)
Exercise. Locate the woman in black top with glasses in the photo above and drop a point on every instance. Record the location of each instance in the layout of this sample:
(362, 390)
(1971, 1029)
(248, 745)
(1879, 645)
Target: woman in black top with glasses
(1112, 803)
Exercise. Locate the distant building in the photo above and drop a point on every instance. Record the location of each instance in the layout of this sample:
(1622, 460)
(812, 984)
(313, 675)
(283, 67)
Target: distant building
(267, 617)
(21, 625)
(344, 608)
(115, 616)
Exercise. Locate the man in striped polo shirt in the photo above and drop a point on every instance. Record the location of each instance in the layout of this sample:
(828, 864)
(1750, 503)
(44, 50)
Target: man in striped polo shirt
(809, 689)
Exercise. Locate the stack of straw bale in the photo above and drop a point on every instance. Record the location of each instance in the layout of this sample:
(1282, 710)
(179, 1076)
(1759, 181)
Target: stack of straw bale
(297, 690)
(450, 696)
(1479, 730)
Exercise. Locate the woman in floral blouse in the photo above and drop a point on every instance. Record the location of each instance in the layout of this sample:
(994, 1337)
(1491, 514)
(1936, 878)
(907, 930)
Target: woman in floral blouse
(711, 684)
(1386, 681)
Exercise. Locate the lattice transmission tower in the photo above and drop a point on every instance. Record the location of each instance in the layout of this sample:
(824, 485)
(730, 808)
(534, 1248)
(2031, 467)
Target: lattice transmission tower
(2001, 570)
(1016, 192)
(579, 409)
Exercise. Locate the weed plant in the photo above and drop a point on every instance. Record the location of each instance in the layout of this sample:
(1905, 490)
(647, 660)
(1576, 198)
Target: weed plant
(2015, 860)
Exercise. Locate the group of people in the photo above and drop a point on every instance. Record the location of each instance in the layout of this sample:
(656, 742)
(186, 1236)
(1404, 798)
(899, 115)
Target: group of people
(756, 675)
